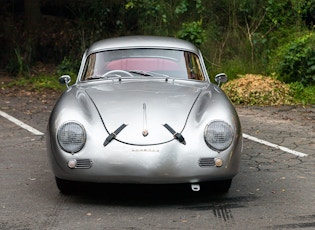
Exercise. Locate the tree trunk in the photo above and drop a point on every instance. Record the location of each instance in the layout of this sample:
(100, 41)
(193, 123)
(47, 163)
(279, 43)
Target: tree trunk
(32, 28)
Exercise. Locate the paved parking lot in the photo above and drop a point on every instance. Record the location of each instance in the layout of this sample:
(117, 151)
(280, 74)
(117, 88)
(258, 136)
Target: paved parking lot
(274, 189)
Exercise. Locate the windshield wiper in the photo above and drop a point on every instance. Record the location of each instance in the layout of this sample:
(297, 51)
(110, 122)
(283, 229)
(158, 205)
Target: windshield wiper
(148, 73)
(94, 77)
(139, 72)
(102, 77)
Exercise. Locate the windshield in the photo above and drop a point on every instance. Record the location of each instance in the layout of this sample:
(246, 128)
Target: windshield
(144, 62)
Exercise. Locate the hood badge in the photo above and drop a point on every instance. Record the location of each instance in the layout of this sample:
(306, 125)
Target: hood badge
(145, 131)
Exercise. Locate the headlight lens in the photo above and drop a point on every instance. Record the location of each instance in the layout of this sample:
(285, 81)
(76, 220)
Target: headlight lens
(218, 135)
(71, 137)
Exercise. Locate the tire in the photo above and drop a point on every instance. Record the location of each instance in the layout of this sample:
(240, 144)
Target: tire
(223, 186)
(217, 186)
(65, 186)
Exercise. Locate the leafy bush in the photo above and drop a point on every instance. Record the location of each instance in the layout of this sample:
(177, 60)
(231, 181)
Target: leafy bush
(17, 66)
(258, 90)
(193, 32)
(303, 94)
(297, 60)
(68, 66)
(234, 68)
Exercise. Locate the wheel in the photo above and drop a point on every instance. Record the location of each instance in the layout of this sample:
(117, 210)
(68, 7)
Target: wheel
(117, 71)
(217, 186)
(223, 186)
(65, 186)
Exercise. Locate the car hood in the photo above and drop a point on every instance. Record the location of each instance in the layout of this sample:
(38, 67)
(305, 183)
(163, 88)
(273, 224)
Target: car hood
(144, 106)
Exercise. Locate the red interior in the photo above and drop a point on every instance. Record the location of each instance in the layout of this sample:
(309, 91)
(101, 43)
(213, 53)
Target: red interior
(146, 64)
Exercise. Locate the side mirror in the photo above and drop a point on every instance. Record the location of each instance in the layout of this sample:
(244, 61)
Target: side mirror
(65, 80)
(220, 78)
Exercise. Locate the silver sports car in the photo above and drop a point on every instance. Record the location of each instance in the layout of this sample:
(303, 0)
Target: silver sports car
(143, 111)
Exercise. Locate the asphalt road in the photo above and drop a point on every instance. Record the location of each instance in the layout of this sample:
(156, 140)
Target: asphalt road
(274, 189)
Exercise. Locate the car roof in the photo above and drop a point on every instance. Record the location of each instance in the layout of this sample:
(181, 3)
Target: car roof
(129, 42)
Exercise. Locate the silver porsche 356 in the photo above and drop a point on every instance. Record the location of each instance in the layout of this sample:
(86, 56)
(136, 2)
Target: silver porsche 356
(143, 111)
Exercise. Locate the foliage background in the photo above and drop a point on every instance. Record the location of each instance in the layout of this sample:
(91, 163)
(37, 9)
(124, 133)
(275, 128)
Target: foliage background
(268, 37)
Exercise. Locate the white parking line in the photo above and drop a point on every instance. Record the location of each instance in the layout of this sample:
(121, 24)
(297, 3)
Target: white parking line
(21, 124)
(296, 153)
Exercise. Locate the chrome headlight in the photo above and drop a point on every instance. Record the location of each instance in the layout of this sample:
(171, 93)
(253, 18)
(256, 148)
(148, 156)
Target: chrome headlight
(218, 135)
(71, 137)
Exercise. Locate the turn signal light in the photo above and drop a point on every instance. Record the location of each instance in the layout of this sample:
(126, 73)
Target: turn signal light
(218, 162)
(72, 164)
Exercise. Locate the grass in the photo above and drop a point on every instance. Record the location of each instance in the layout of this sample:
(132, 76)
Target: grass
(37, 83)
(304, 95)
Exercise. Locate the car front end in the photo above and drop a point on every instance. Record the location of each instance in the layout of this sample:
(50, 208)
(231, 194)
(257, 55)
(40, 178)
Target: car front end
(143, 112)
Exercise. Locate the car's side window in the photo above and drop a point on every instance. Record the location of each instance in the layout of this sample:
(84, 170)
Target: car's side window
(90, 66)
(193, 67)
(94, 66)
